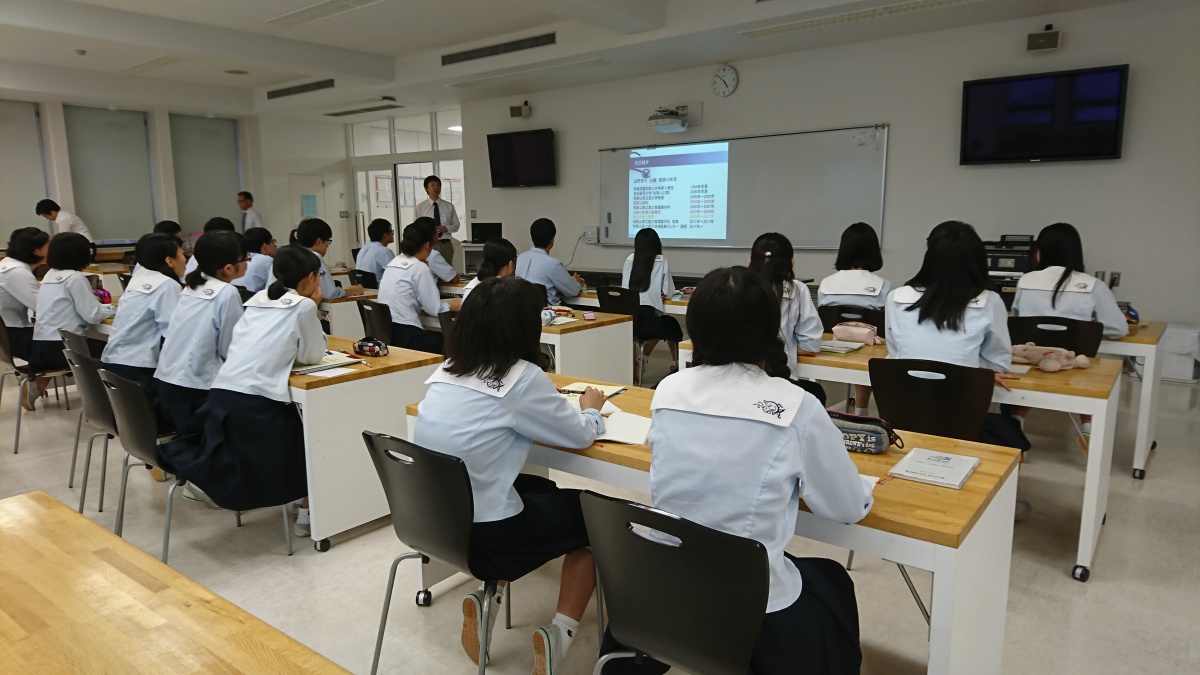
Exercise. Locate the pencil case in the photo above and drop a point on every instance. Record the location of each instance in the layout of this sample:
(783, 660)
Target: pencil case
(855, 331)
(868, 435)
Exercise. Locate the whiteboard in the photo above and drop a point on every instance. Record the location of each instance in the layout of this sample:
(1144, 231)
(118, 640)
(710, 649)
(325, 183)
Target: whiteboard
(807, 185)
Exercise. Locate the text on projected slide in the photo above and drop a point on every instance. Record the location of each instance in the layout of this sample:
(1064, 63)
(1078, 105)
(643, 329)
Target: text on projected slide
(680, 191)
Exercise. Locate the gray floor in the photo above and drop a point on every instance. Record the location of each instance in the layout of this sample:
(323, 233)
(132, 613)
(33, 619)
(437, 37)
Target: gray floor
(1139, 613)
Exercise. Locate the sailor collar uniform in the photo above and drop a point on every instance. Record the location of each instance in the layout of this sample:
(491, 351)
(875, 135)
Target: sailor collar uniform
(18, 293)
(1047, 279)
(1083, 298)
(209, 290)
(981, 342)
(853, 282)
(142, 320)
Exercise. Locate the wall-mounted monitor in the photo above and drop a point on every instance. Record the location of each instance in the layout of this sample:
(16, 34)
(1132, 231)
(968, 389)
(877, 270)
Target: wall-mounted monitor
(522, 159)
(1069, 115)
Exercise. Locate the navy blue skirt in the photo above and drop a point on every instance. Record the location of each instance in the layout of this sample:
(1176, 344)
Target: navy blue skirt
(248, 452)
(180, 405)
(20, 342)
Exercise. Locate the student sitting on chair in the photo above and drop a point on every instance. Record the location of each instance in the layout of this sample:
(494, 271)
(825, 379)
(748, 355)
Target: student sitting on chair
(246, 450)
(27, 248)
(772, 258)
(65, 300)
(169, 227)
(217, 224)
(499, 260)
(375, 256)
(730, 446)
(855, 284)
(1061, 287)
(488, 403)
(260, 244)
(201, 330)
(315, 235)
(646, 271)
(538, 266)
(407, 287)
(442, 270)
(145, 311)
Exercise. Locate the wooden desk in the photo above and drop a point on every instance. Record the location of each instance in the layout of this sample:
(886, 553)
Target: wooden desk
(108, 271)
(1094, 391)
(344, 319)
(1143, 342)
(343, 487)
(77, 598)
(585, 299)
(964, 537)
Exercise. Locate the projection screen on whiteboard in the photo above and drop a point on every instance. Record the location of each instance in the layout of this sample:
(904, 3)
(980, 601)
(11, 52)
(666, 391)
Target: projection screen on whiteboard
(724, 193)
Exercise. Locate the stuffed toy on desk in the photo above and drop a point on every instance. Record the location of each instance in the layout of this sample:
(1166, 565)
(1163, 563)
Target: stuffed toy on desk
(1048, 359)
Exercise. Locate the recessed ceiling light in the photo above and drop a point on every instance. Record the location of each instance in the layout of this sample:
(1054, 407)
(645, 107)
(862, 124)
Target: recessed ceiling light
(235, 71)
(456, 127)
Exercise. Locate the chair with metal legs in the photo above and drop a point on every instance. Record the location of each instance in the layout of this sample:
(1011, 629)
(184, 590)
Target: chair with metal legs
(98, 412)
(136, 427)
(8, 366)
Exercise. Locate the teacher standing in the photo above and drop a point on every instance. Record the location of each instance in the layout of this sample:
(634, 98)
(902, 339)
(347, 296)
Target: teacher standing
(443, 215)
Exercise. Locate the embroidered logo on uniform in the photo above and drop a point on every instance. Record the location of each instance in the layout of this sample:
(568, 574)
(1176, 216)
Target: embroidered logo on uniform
(145, 287)
(494, 383)
(286, 301)
(1081, 285)
(771, 408)
(209, 292)
(870, 289)
(58, 278)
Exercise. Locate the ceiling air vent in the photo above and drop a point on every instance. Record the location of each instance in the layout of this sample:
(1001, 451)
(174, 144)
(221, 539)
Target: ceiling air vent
(321, 10)
(883, 12)
(502, 48)
(359, 111)
(300, 89)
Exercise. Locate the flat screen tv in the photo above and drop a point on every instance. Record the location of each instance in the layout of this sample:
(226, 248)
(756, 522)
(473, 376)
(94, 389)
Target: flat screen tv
(1069, 115)
(522, 158)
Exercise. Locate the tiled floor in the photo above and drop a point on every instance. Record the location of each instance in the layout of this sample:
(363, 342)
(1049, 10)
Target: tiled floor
(1140, 613)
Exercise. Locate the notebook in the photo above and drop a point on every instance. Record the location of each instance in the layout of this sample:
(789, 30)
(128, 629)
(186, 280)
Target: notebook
(935, 468)
(606, 389)
(607, 409)
(331, 360)
(839, 346)
(623, 427)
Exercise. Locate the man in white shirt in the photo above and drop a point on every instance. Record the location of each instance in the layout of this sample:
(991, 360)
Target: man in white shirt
(443, 215)
(64, 221)
(250, 217)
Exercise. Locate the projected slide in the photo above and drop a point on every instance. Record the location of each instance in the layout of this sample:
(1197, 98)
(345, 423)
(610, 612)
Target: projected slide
(682, 192)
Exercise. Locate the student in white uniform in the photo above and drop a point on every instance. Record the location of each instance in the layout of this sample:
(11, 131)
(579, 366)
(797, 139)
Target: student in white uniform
(442, 270)
(856, 284)
(260, 244)
(488, 403)
(63, 221)
(730, 447)
(315, 235)
(538, 266)
(772, 258)
(499, 260)
(65, 300)
(145, 313)
(27, 247)
(249, 450)
(646, 271)
(162, 227)
(201, 329)
(1061, 287)
(375, 256)
(217, 224)
(408, 287)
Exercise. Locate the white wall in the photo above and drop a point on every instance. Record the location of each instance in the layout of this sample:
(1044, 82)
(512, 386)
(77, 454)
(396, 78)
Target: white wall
(1139, 215)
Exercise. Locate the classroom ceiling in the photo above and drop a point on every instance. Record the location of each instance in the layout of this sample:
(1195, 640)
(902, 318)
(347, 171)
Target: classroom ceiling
(378, 48)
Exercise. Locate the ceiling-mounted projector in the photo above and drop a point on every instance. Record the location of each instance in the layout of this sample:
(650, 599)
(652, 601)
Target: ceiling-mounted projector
(668, 121)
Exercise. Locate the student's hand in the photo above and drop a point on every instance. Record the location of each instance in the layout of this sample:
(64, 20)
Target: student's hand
(579, 279)
(316, 296)
(1001, 377)
(664, 295)
(454, 303)
(591, 399)
(356, 289)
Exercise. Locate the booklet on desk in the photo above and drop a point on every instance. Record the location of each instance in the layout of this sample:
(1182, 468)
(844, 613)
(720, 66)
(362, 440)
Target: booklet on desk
(331, 360)
(935, 468)
(623, 427)
(839, 346)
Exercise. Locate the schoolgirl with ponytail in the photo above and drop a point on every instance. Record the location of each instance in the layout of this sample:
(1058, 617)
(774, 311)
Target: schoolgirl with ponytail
(246, 449)
(408, 287)
(499, 260)
(201, 329)
(315, 235)
(772, 258)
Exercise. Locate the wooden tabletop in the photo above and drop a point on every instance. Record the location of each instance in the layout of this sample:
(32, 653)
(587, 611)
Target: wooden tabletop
(601, 319)
(1148, 334)
(74, 597)
(397, 360)
(926, 512)
(107, 268)
(368, 294)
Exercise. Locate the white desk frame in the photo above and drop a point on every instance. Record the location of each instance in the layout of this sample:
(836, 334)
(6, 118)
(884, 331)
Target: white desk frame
(1147, 423)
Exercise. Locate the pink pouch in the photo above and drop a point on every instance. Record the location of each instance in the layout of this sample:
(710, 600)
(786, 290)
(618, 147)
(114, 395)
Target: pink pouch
(854, 331)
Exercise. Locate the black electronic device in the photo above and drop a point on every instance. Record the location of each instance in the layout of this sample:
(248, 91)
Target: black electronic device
(481, 232)
(522, 159)
(1013, 254)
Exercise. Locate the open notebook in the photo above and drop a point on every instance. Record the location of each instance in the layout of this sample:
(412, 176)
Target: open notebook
(331, 360)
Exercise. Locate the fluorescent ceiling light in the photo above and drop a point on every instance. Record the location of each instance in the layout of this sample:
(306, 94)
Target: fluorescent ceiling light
(850, 17)
(147, 66)
(456, 127)
(530, 72)
(321, 10)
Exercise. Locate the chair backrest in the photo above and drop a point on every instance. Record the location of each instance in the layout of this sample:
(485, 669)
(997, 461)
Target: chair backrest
(75, 342)
(6, 355)
(429, 494)
(136, 423)
(364, 279)
(1081, 337)
(354, 252)
(244, 292)
(931, 397)
(832, 315)
(446, 319)
(124, 279)
(696, 602)
(96, 407)
(545, 293)
(618, 300)
(377, 320)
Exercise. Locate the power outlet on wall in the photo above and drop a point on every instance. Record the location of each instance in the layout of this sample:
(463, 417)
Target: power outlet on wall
(591, 235)
(473, 213)
(1114, 279)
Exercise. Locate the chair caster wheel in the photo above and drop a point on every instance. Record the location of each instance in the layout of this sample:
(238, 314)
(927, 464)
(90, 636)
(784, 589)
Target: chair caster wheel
(424, 598)
(1081, 573)
(1139, 474)
(322, 545)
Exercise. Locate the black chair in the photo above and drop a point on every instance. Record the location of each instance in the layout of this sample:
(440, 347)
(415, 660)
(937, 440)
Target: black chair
(364, 279)
(8, 366)
(650, 587)
(98, 412)
(244, 293)
(75, 342)
(1081, 337)
(617, 300)
(433, 509)
(446, 320)
(136, 427)
(124, 279)
(354, 252)
(832, 315)
(377, 320)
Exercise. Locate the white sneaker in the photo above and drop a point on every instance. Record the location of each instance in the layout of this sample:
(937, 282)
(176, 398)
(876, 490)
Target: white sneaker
(472, 611)
(303, 527)
(547, 654)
